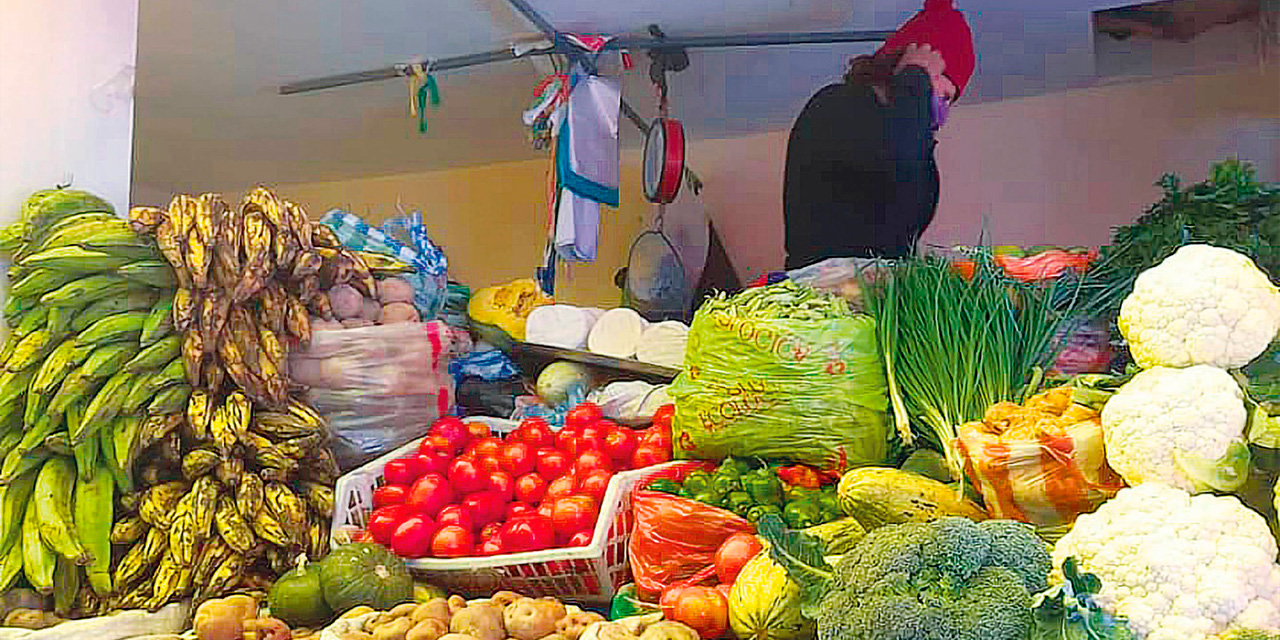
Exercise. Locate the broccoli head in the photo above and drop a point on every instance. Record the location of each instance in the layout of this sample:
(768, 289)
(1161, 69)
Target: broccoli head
(951, 579)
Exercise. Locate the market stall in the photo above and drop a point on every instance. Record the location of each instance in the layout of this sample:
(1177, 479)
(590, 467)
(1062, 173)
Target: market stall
(935, 447)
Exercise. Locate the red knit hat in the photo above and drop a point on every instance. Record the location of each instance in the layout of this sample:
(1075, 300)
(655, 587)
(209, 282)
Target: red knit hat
(943, 28)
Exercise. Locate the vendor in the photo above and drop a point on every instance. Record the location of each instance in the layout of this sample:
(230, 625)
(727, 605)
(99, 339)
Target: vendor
(861, 180)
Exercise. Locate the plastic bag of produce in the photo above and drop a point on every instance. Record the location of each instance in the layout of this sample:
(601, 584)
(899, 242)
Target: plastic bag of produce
(676, 537)
(632, 402)
(1043, 462)
(404, 237)
(378, 387)
(782, 372)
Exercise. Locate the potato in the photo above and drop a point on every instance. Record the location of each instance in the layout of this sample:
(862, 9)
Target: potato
(402, 610)
(356, 635)
(554, 636)
(356, 612)
(504, 598)
(370, 310)
(345, 301)
(558, 610)
(574, 625)
(456, 604)
(457, 636)
(395, 290)
(355, 323)
(398, 312)
(395, 630)
(437, 609)
(669, 630)
(429, 629)
(481, 621)
(611, 631)
(529, 619)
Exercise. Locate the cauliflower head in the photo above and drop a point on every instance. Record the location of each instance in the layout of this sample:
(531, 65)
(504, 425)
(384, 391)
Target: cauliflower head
(1166, 422)
(1179, 567)
(1202, 305)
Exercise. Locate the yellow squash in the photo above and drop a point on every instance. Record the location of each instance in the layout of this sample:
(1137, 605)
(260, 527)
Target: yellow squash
(764, 604)
(507, 306)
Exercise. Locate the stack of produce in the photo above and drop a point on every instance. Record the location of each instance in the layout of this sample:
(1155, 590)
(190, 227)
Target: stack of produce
(92, 377)
(239, 482)
(954, 344)
(465, 492)
(800, 495)
(349, 308)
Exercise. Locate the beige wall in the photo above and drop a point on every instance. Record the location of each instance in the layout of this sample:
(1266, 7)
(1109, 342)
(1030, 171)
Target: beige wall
(1061, 169)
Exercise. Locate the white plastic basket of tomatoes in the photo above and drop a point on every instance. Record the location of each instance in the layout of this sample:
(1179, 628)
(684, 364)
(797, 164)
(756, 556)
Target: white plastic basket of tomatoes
(483, 504)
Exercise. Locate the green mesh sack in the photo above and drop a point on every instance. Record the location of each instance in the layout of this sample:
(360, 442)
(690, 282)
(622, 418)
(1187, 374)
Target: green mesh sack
(782, 372)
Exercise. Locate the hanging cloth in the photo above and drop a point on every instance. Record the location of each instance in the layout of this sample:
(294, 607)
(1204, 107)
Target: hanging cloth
(423, 90)
(586, 162)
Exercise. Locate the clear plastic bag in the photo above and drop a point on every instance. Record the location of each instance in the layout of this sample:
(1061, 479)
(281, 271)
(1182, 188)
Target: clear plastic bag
(378, 387)
(404, 237)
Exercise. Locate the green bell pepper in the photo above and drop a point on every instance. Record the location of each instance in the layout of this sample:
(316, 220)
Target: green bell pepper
(799, 514)
(698, 481)
(741, 465)
(665, 485)
(755, 513)
(764, 488)
(725, 483)
(740, 502)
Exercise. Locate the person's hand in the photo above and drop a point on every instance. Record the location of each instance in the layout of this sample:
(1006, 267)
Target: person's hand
(923, 56)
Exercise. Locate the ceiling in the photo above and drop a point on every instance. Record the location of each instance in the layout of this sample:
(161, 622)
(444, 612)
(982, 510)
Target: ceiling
(208, 115)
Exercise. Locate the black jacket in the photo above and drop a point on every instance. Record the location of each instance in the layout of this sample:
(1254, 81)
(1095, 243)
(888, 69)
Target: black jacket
(861, 180)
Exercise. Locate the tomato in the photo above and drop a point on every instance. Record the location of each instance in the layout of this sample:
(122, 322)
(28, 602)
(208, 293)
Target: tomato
(437, 443)
(485, 447)
(453, 542)
(467, 477)
(734, 554)
(561, 487)
(517, 458)
(530, 532)
(488, 464)
(530, 487)
(547, 508)
(573, 514)
(583, 415)
(663, 417)
(668, 601)
(490, 530)
(553, 464)
(454, 514)
(383, 522)
(620, 443)
(703, 609)
(595, 484)
(592, 460)
(430, 494)
(519, 509)
(566, 436)
(434, 462)
(413, 535)
(590, 437)
(501, 483)
(389, 494)
(536, 433)
(403, 470)
(485, 507)
(648, 455)
(657, 437)
(478, 430)
(490, 547)
(454, 431)
(580, 539)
